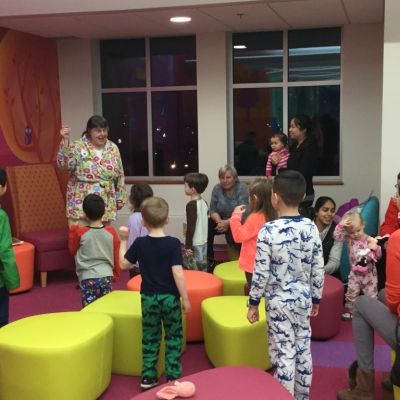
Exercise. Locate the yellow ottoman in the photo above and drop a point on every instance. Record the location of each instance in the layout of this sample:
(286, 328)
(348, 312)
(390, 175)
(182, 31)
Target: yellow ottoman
(229, 338)
(59, 356)
(396, 389)
(125, 309)
(232, 278)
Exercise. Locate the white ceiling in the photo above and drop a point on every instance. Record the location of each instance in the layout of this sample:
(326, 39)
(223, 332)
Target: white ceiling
(138, 18)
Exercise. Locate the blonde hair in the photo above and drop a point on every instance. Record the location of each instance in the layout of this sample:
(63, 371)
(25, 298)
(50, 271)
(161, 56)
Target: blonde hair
(154, 212)
(261, 189)
(353, 215)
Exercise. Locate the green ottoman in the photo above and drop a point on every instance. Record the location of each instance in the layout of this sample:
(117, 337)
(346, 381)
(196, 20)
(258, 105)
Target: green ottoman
(125, 309)
(61, 356)
(229, 338)
(232, 277)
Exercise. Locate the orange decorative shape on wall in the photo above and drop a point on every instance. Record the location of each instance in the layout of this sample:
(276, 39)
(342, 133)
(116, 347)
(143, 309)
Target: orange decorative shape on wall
(30, 113)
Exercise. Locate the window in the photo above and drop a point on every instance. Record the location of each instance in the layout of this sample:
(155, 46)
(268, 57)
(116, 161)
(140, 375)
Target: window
(149, 97)
(276, 75)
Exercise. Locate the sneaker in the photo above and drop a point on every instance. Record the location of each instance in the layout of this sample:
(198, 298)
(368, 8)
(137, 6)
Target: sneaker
(148, 383)
(347, 316)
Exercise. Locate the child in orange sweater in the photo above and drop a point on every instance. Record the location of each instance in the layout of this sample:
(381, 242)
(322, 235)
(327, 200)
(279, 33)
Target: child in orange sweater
(260, 190)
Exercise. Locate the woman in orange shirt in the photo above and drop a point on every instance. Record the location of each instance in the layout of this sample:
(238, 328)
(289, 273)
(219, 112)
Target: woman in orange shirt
(260, 190)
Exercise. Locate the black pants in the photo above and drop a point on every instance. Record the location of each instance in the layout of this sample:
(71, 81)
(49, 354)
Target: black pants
(4, 301)
(211, 235)
(381, 270)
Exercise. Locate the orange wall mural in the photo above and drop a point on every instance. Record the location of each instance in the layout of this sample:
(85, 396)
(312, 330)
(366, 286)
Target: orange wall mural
(30, 113)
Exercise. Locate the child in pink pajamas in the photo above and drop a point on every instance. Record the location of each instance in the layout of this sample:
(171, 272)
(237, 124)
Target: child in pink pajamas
(363, 252)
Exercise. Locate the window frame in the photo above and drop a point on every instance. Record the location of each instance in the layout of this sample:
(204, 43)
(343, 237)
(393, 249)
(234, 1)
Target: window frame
(285, 85)
(148, 89)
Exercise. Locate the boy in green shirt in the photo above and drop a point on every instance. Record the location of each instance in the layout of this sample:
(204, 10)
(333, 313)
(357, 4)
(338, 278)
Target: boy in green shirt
(9, 275)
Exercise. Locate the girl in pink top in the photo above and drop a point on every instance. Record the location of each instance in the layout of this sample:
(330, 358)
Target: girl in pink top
(280, 152)
(260, 190)
(363, 252)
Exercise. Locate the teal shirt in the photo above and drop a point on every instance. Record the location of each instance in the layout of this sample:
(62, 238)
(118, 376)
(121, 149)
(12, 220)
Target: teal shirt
(9, 275)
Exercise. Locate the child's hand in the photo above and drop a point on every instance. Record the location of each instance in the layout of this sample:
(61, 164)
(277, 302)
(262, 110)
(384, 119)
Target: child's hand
(186, 307)
(240, 209)
(123, 233)
(222, 226)
(65, 131)
(314, 310)
(253, 314)
(346, 222)
(189, 253)
(276, 158)
(372, 243)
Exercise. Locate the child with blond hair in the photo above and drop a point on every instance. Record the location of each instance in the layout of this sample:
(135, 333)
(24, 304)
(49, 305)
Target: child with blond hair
(363, 252)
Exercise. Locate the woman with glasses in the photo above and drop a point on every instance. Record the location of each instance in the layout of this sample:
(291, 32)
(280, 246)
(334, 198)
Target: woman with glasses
(95, 167)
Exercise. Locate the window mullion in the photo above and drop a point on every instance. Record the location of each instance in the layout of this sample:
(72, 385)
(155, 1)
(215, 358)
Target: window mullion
(285, 96)
(149, 110)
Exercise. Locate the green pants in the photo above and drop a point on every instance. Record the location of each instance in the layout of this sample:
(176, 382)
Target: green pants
(163, 308)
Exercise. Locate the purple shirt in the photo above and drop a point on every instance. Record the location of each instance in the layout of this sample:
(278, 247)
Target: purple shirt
(136, 229)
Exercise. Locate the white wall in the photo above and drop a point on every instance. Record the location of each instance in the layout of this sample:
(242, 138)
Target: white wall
(391, 102)
(76, 89)
(362, 48)
(361, 114)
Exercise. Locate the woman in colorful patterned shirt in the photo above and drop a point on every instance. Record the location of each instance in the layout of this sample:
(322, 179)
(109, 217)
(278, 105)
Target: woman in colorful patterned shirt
(95, 167)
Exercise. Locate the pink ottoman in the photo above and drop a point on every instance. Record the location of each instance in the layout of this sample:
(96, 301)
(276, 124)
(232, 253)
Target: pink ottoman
(229, 383)
(24, 257)
(327, 323)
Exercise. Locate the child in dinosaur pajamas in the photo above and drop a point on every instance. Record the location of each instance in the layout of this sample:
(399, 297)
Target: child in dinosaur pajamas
(289, 273)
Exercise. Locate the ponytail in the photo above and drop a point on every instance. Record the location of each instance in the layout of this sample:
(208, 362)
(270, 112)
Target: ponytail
(313, 131)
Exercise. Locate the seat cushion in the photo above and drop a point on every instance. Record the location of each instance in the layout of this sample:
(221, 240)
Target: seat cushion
(327, 323)
(229, 339)
(232, 278)
(48, 240)
(41, 205)
(124, 308)
(235, 382)
(61, 356)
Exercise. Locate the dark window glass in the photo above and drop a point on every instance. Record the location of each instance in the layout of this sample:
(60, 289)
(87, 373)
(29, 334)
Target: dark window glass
(175, 148)
(173, 61)
(261, 60)
(314, 54)
(258, 110)
(123, 63)
(127, 117)
(322, 105)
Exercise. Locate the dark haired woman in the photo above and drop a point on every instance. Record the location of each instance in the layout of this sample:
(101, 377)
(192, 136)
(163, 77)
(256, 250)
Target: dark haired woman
(305, 152)
(95, 167)
(324, 211)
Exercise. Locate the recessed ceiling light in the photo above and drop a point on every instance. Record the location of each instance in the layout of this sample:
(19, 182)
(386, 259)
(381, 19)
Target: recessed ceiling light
(240, 46)
(180, 19)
